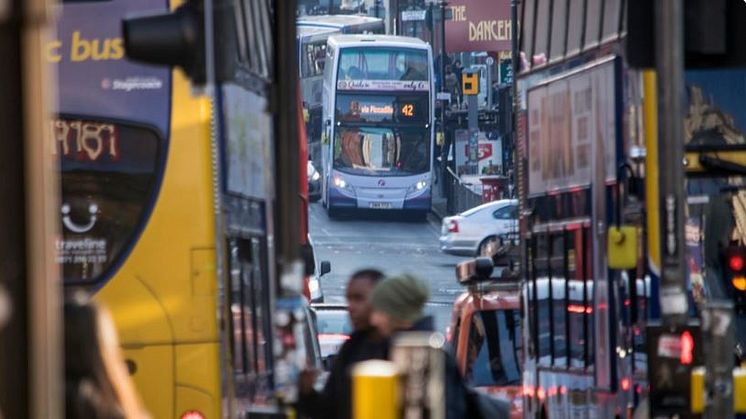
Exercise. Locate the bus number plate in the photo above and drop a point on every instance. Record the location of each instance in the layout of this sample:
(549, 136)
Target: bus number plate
(380, 205)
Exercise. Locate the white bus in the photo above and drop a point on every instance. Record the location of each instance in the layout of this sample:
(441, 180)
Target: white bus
(377, 146)
(311, 57)
(347, 24)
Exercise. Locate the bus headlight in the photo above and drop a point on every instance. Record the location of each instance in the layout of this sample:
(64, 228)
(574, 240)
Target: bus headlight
(340, 183)
(420, 185)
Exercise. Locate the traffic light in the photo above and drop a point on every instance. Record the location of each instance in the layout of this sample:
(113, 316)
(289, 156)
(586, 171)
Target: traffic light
(735, 275)
(470, 82)
(178, 39)
(713, 33)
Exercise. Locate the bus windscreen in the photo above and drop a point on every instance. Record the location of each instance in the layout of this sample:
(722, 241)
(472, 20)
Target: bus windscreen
(405, 64)
(109, 173)
(381, 151)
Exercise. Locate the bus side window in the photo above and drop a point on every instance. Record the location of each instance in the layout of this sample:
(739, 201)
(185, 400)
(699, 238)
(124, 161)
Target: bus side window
(559, 309)
(543, 301)
(589, 315)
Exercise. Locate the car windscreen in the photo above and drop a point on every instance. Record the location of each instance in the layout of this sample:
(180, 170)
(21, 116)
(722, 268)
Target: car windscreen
(494, 349)
(333, 322)
(382, 151)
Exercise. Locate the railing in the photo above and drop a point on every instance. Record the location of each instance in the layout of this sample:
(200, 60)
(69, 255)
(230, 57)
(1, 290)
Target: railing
(460, 196)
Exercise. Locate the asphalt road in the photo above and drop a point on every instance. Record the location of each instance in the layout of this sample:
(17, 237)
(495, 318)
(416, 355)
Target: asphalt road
(386, 242)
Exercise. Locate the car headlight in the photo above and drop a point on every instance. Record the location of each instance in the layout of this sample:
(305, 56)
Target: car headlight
(315, 176)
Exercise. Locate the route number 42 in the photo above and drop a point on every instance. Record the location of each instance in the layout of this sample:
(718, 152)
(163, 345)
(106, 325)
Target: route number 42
(407, 110)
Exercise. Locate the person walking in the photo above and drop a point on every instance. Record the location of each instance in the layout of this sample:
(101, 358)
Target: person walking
(97, 384)
(335, 400)
(398, 306)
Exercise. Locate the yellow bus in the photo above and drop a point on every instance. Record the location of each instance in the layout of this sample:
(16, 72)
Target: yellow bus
(166, 212)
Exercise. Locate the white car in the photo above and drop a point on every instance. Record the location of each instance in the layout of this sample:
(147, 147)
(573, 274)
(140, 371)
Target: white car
(469, 232)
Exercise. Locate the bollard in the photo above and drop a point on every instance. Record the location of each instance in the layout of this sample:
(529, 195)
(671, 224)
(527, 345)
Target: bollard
(739, 390)
(375, 390)
(697, 388)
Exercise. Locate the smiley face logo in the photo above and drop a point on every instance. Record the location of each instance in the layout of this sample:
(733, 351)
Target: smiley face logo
(75, 227)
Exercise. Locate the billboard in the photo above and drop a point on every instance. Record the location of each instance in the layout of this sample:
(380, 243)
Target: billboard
(478, 26)
(571, 121)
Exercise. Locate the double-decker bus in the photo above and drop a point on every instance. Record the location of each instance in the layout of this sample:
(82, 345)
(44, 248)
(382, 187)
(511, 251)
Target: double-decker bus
(167, 207)
(311, 60)
(347, 24)
(377, 146)
(579, 122)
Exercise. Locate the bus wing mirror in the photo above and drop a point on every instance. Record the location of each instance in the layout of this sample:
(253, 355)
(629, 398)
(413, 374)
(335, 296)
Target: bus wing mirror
(622, 247)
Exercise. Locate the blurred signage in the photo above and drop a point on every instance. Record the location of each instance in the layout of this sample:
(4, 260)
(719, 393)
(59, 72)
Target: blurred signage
(85, 140)
(672, 352)
(506, 71)
(413, 15)
(384, 85)
(572, 122)
(478, 26)
(421, 361)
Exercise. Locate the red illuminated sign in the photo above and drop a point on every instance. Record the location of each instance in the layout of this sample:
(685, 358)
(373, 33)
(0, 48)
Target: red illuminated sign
(85, 140)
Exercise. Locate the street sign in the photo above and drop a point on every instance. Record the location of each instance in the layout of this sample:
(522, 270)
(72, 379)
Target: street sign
(413, 15)
(506, 71)
(489, 61)
(443, 96)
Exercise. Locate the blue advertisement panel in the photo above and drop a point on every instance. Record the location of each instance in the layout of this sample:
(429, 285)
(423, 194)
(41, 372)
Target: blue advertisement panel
(95, 80)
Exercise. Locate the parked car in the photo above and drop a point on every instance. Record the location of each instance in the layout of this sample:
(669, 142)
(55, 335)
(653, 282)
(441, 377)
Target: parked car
(485, 334)
(334, 328)
(470, 232)
(314, 182)
(313, 272)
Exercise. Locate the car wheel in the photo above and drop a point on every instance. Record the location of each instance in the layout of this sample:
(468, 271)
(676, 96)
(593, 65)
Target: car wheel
(485, 245)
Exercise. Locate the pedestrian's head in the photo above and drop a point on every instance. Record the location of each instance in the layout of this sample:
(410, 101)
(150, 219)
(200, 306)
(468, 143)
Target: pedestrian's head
(398, 302)
(457, 63)
(359, 287)
(97, 383)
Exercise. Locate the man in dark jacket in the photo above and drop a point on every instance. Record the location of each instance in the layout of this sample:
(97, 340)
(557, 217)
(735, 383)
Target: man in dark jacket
(334, 402)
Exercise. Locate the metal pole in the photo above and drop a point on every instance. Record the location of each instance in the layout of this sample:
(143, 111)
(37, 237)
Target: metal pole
(30, 380)
(443, 46)
(514, 87)
(287, 208)
(718, 332)
(670, 67)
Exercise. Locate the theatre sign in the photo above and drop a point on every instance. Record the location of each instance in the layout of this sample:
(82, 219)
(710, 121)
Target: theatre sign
(478, 26)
